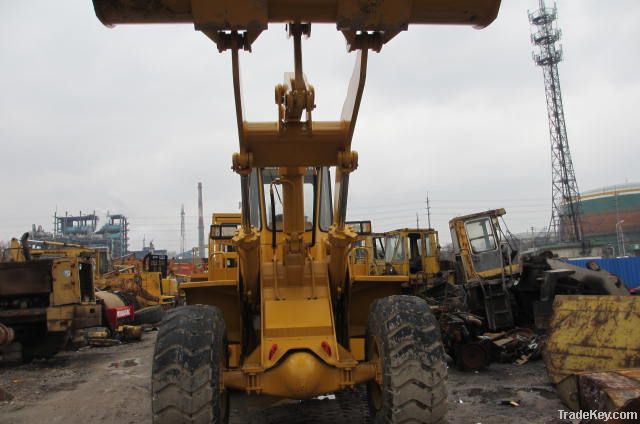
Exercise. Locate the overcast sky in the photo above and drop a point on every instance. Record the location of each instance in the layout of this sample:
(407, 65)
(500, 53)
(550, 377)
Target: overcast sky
(129, 119)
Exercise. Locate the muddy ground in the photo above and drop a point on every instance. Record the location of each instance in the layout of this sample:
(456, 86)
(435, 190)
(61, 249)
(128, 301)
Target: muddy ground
(111, 385)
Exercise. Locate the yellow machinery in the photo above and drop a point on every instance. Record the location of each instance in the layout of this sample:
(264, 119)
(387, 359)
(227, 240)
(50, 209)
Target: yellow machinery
(484, 262)
(497, 279)
(157, 287)
(294, 324)
(587, 336)
(413, 252)
(221, 250)
(367, 255)
(223, 258)
(43, 300)
(143, 283)
(589, 315)
(99, 256)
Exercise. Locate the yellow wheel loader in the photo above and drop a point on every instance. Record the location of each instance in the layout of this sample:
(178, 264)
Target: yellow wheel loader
(415, 253)
(44, 300)
(290, 324)
(222, 256)
(367, 255)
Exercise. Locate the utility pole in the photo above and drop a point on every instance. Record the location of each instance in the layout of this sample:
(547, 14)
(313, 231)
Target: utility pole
(622, 251)
(428, 211)
(182, 231)
(200, 224)
(417, 221)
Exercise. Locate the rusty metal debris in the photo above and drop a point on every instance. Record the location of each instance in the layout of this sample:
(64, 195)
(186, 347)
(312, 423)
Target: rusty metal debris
(6, 334)
(465, 335)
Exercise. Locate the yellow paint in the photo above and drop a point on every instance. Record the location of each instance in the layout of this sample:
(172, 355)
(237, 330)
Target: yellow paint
(591, 333)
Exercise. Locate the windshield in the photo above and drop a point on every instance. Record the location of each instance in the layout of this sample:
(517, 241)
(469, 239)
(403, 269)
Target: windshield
(394, 249)
(378, 247)
(309, 190)
(481, 237)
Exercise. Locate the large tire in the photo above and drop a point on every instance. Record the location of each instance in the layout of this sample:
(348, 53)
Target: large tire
(404, 337)
(129, 299)
(148, 315)
(190, 356)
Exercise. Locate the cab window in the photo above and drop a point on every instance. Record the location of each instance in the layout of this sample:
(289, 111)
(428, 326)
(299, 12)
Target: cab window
(481, 237)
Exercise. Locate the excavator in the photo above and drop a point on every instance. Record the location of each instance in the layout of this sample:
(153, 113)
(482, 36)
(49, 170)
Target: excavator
(293, 324)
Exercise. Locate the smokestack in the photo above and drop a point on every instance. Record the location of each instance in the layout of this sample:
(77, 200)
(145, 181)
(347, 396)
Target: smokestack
(200, 223)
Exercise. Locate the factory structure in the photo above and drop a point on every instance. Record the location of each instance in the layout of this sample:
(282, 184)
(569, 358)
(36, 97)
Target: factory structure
(83, 229)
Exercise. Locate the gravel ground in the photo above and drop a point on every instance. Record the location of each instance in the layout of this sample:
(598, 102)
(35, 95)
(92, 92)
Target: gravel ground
(111, 385)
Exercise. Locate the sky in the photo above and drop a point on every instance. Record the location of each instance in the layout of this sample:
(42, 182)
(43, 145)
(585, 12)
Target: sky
(129, 119)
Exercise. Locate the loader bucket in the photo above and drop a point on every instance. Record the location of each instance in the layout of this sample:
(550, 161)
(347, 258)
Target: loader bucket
(590, 333)
(347, 14)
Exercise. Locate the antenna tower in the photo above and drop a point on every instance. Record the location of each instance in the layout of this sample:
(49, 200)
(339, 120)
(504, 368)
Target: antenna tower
(566, 212)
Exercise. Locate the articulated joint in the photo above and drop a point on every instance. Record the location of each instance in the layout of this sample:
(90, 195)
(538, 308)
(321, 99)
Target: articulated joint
(347, 161)
(293, 101)
(242, 162)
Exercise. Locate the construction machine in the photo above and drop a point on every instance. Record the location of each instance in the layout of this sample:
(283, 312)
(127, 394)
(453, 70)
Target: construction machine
(367, 255)
(221, 249)
(157, 286)
(413, 252)
(509, 287)
(485, 265)
(593, 347)
(293, 324)
(44, 300)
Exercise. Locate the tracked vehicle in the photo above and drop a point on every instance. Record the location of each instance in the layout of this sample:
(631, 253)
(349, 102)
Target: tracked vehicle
(291, 322)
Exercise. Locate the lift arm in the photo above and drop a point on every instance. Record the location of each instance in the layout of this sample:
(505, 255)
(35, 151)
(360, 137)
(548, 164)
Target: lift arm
(291, 143)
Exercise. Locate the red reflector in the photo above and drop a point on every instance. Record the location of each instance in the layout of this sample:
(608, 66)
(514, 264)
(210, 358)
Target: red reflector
(326, 347)
(272, 351)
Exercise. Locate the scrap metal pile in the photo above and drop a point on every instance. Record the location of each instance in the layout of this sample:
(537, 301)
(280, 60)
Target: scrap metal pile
(495, 304)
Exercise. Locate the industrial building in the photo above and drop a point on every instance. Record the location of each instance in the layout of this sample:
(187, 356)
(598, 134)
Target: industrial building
(83, 229)
(611, 218)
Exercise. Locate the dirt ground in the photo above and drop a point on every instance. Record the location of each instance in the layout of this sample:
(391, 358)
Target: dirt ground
(111, 385)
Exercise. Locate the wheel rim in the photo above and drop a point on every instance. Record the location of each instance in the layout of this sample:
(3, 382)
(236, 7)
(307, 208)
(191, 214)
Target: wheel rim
(375, 385)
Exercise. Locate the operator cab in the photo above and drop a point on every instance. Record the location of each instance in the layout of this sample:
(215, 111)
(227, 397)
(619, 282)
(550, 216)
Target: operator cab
(156, 263)
(411, 252)
(266, 197)
(484, 245)
(481, 248)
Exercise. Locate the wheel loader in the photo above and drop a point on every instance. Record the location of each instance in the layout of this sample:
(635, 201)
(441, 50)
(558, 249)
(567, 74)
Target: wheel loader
(510, 288)
(221, 249)
(367, 255)
(293, 324)
(413, 252)
(43, 301)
